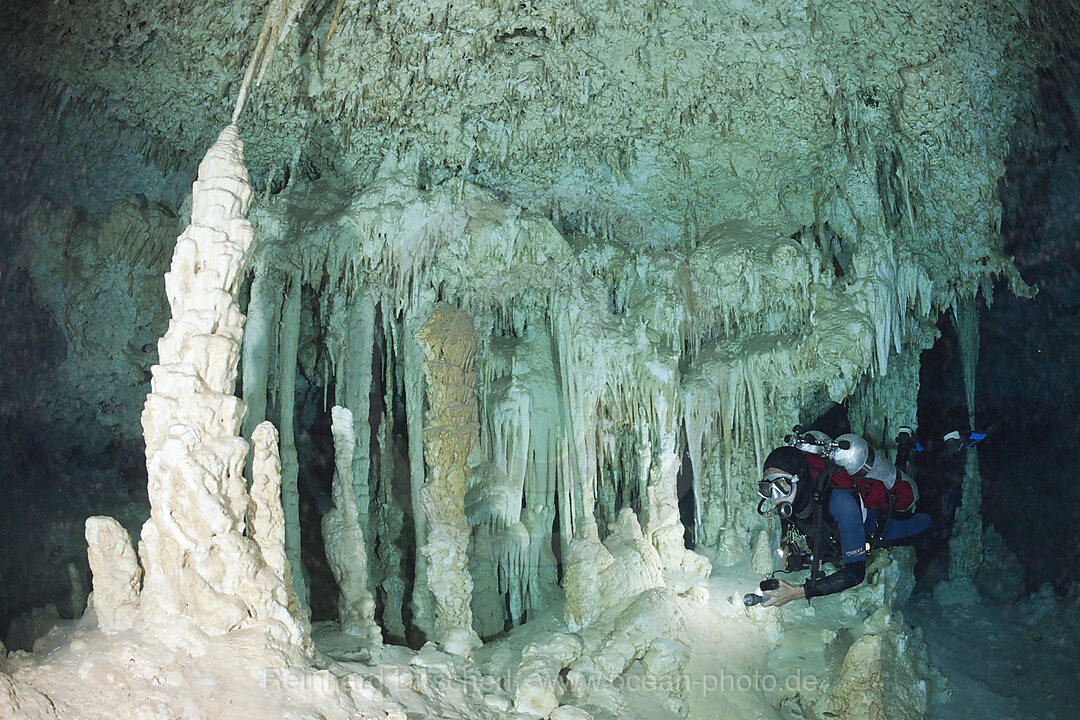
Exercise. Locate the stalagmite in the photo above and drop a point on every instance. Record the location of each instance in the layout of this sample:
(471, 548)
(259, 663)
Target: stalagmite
(198, 559)
(625, 565)
(266, 526)
(449, 341)
(266, 521)
(878, 681)
(117, 575)
(344, 538)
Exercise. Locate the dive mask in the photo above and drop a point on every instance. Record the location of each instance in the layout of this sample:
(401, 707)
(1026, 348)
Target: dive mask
(777, 486)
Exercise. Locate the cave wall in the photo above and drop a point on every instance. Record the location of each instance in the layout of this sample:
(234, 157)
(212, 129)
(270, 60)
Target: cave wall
(1028, 374)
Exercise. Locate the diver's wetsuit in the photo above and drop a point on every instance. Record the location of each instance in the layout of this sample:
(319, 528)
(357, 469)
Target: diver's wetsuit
(846, 511)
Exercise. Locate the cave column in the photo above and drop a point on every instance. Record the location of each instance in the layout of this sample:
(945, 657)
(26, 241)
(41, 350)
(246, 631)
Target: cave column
(389, 516)
(346, 549)
(965, 544)
(535, 368)
(449, 343)
(579, 420)
(360, 346)
(263, 306)
(290, 467)
(413, 380)
(663, 523)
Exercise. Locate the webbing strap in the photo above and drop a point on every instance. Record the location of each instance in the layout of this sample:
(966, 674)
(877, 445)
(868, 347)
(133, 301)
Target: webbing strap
(868, 463)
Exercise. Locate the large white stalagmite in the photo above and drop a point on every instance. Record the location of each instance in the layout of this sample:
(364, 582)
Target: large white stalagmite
(449, 341)
(200, 558)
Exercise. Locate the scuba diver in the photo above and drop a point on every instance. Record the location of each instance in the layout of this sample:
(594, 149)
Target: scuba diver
(839, 499)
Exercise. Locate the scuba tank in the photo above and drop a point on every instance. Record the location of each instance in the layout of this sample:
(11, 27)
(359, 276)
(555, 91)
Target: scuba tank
(861, 460)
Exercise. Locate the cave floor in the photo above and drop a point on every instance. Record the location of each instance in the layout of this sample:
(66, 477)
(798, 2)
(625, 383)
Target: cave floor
(1013, 661)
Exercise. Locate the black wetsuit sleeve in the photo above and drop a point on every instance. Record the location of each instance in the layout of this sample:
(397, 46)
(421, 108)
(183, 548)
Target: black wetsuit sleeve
(851, 575)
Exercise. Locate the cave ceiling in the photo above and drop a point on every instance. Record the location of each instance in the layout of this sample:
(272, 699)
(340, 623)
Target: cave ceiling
(655, 120)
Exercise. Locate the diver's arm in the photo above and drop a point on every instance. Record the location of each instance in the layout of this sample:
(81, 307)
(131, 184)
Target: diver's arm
(846, 509)
(851, 575)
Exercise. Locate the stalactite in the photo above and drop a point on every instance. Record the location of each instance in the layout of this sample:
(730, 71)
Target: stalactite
(449, 343)
(881, 405)
(290, 468)
(280, 17)
(334, 21)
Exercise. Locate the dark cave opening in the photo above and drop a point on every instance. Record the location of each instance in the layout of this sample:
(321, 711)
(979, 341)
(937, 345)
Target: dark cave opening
(942, 409)
(684, 487)
(315, 451)
(619, 481)
(392, 492)
(833, 422)
(1028, 374)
